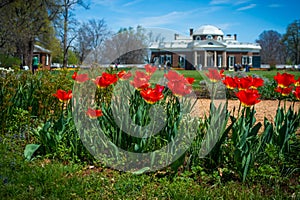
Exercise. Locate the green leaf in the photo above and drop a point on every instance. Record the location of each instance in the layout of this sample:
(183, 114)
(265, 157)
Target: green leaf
(141, 171)
(246, 167)
(30, 149)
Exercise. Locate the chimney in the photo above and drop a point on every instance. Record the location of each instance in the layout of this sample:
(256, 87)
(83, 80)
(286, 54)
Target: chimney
(175, 36)
(235, 36)
(191, 31)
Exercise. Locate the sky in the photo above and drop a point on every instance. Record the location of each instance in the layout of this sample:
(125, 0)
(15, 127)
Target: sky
(246, 18)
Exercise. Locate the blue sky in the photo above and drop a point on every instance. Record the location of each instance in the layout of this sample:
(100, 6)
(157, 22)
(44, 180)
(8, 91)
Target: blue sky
(246, 18)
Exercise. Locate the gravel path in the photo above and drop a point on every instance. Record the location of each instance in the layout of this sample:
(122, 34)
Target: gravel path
(265, 108)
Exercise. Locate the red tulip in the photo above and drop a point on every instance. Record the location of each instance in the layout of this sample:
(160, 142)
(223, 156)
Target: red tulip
(80, 78)
(179, 88)
(94, 113)
(256, 82)
(284, 80)
(105, 80)
(248, 97)
(297, 83)
(179, 85)
(284, 91)
(190, 80)
(74, 75)
(150, 69)
(174, 76)
(214, 75)
(123, 75)
(63, 96)
(140, 80)
(297, 93)
(230, 82)
(152, 95)
(243, 83)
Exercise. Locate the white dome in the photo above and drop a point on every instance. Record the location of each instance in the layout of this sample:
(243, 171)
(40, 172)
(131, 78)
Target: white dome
(208, 30)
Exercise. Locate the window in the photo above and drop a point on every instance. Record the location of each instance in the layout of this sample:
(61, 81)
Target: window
(250, 60)
(244, 60)
(210, 43)
(161, 59)
(209, 37)
(169, 58)
(231, 61)
(181, 61)
(219, 62)
(219, 38)
(198, 38)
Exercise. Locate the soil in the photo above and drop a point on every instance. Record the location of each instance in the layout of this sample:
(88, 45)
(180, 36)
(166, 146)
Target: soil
(265, 108)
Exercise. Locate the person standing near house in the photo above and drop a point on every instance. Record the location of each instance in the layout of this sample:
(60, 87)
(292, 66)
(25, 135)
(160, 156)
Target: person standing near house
(35, 64)
(168, 65)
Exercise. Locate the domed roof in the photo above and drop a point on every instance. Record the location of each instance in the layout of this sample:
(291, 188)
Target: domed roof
(208, 30)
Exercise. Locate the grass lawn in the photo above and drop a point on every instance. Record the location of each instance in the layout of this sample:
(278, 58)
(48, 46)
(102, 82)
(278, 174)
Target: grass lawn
(198, 75)
(48, 179)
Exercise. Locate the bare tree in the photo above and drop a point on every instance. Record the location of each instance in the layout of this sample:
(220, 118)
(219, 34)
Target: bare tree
(273, 51)
(155, 38)
(128, 46)
(67, 25)
(91, 37)
(291, 40)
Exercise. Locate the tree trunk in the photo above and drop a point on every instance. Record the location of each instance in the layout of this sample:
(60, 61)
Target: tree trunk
(65, 45)
(29, 52)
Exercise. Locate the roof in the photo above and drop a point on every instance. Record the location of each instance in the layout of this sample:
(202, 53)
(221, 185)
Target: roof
(38, 48)
(208, 30)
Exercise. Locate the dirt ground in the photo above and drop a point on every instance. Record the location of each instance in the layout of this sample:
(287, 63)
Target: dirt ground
(265, 108)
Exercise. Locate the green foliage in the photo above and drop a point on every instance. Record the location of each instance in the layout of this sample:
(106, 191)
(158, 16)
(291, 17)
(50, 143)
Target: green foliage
(58, 139)
(211, 138)
(286, 123)
(30, 115)
(268, 90)
(8, 61)
(245, 140)
(32, 93)
(72, 58)
(128, 109)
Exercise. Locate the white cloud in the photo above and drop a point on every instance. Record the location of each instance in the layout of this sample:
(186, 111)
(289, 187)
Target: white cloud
(131, 3)
(209, 10)
(246, 7)
(103, 2)
(163, 19)
(241, 2)
(217, 2)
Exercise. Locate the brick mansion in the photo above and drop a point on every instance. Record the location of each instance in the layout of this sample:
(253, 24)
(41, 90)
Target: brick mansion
(207, 46)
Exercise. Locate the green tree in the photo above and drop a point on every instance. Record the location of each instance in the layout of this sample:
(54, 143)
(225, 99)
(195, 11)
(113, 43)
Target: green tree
(23, 23)
(73, 59)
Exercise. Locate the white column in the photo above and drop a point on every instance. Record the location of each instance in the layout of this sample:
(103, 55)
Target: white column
(205, 59)
(224, 59)
(195, 59)
(215, 59)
